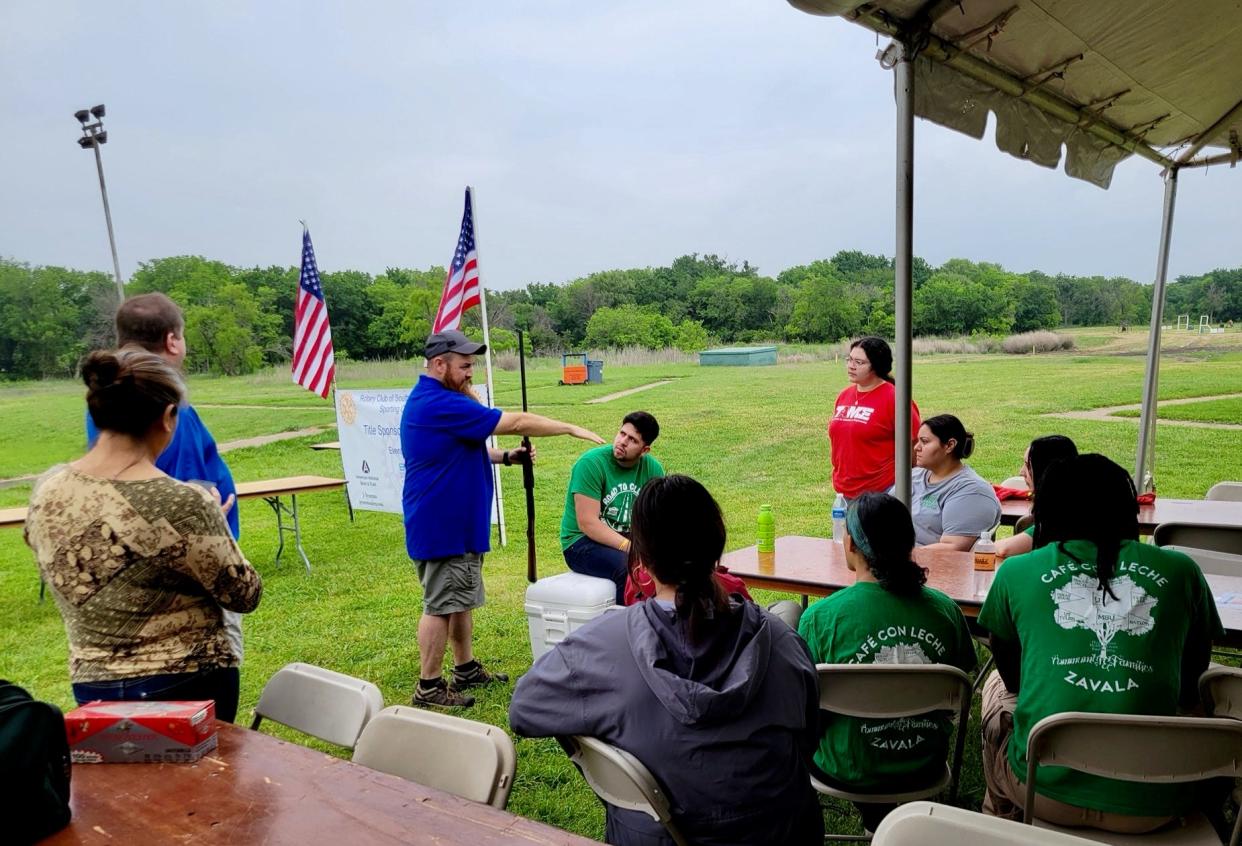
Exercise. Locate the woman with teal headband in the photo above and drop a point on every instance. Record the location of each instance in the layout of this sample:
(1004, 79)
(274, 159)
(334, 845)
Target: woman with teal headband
(888, 616)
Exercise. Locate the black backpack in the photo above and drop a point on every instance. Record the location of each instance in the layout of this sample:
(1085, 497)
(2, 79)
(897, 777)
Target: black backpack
(34, 767)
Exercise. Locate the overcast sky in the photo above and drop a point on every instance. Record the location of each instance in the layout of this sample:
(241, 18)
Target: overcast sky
(597, 135)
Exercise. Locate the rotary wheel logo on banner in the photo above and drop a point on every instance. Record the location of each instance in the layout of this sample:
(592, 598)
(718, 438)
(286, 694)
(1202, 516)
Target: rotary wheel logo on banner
(349, 411)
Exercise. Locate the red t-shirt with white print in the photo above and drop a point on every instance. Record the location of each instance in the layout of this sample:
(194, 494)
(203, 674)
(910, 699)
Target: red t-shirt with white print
(861, 432)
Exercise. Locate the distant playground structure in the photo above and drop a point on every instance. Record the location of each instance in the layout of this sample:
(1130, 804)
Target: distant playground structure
(1205, 326)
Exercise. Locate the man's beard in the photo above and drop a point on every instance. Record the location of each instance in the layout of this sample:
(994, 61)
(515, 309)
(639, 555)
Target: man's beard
(462, 387)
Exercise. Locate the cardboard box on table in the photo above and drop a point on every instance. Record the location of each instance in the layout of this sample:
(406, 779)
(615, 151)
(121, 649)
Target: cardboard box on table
(141, 732)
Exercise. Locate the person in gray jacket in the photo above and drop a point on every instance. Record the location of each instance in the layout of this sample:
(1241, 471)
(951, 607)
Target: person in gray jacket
(715, 696)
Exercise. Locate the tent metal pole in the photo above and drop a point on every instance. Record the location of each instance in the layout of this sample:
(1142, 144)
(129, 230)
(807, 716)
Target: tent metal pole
(1206, 135)
(903, 84)
(1145, 461)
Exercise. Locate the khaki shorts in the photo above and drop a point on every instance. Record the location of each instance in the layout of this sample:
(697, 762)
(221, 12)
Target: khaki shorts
(451, 584)
(1006, 792)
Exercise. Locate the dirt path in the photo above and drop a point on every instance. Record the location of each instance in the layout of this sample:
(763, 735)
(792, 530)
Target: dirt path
(619, 394)
(262, 407)
(1109, 412)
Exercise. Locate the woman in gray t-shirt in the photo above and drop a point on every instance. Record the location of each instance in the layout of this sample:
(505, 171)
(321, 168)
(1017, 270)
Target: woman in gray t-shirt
(950, 503)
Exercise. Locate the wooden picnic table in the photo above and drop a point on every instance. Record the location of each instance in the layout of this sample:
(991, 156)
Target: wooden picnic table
(1204, 511)
(816, 567)
(257, 789)
(269, 490)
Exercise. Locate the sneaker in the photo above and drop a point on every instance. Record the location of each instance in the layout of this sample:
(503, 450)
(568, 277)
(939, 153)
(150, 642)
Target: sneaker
(475, 676)
(440, 695)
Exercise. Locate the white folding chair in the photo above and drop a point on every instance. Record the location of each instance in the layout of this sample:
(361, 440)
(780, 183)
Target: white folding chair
(620, 779)
(1216, 549)
(933, 824)
(466, 758)
(1220, 688)
(1226, 491)
(889, 692)
(1199, 536)
(322, 703)
(1139, 748)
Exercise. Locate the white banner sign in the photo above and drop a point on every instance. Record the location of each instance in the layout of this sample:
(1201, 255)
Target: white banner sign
(369, 424)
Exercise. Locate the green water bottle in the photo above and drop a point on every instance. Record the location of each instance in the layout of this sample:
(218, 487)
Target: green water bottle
(767, 529)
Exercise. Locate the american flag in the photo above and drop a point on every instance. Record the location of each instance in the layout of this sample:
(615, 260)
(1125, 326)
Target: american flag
(313, 365)
(461, 287)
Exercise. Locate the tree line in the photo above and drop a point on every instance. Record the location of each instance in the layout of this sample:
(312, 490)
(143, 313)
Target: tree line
(241, 319)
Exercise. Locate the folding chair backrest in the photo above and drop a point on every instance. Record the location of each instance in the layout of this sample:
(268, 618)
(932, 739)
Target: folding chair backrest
(1134, 748)
(933, 824)
(1227, 491)
(1015, 482)
(466, 758)
(889, 691)
(620, 779)
(1211, 561)
(1199, 536)
(1220, 688)
(322, 703)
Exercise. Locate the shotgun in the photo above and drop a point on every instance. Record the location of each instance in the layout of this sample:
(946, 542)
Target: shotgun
(528, 474)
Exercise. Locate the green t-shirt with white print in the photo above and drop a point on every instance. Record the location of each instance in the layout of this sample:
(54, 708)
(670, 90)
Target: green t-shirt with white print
(866, 624)
(1083, 650)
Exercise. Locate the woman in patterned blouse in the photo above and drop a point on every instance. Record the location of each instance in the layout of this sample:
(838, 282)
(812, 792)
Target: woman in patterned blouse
(140, 564)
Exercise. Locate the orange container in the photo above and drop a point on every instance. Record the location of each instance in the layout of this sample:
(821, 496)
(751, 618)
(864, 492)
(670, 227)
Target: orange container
(574, 374)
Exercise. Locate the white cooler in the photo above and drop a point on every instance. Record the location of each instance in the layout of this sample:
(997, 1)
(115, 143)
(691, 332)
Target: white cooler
(560, 604)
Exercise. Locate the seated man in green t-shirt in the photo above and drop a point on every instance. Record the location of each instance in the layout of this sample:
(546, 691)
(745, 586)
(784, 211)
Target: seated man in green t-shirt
(603, 485)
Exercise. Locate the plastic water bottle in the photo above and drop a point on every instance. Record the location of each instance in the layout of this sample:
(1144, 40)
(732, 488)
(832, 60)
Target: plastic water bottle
(767, 529)
(838, 519)
(985, 563)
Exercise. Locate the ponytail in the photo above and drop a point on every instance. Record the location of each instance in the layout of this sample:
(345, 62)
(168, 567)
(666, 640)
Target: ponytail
(678, 534)
(883, 532)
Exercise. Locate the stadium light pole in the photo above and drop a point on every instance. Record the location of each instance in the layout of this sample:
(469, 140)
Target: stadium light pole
(93, 135)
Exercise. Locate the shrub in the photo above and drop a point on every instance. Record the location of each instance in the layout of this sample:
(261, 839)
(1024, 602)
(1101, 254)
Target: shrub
(1037, 342)
(691, 337)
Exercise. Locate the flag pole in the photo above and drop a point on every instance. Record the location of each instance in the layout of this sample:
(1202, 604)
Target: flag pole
(487, 359)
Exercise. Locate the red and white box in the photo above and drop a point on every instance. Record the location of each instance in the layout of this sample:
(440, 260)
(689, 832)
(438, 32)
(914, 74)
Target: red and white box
(141, 732)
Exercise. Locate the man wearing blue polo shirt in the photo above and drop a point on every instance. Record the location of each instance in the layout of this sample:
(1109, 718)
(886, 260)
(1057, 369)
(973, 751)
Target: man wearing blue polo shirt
(447, 506)
(155, 323)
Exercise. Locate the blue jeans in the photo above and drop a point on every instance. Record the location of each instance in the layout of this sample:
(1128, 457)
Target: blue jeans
(220, 684)
(589, 558)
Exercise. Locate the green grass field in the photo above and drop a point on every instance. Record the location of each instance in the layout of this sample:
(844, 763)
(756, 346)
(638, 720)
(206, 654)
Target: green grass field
(752, 435)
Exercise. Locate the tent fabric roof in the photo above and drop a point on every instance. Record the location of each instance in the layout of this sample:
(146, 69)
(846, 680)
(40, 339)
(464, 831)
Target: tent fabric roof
(1103, 79)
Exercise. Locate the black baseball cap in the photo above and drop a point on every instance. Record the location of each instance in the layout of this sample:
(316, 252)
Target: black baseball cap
(439, 343)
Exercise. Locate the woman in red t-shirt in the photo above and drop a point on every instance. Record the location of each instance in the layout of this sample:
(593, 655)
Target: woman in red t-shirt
(861, 427)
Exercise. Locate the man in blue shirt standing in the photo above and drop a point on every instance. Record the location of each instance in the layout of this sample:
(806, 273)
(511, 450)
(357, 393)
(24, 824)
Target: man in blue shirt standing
(154, 323)
(447, 506)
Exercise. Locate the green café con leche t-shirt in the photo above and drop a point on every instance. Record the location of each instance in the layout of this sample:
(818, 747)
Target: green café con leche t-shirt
(866, 624)
(1083, 650)
(598, 475)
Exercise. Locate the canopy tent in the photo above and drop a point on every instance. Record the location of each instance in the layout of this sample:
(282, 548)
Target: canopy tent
(1105, 80)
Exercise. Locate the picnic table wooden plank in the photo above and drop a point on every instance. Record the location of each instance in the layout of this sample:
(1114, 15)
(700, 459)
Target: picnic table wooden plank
(265, 488)
(288, 486)
(816, 567)
(1206, 511)
(256, 788)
